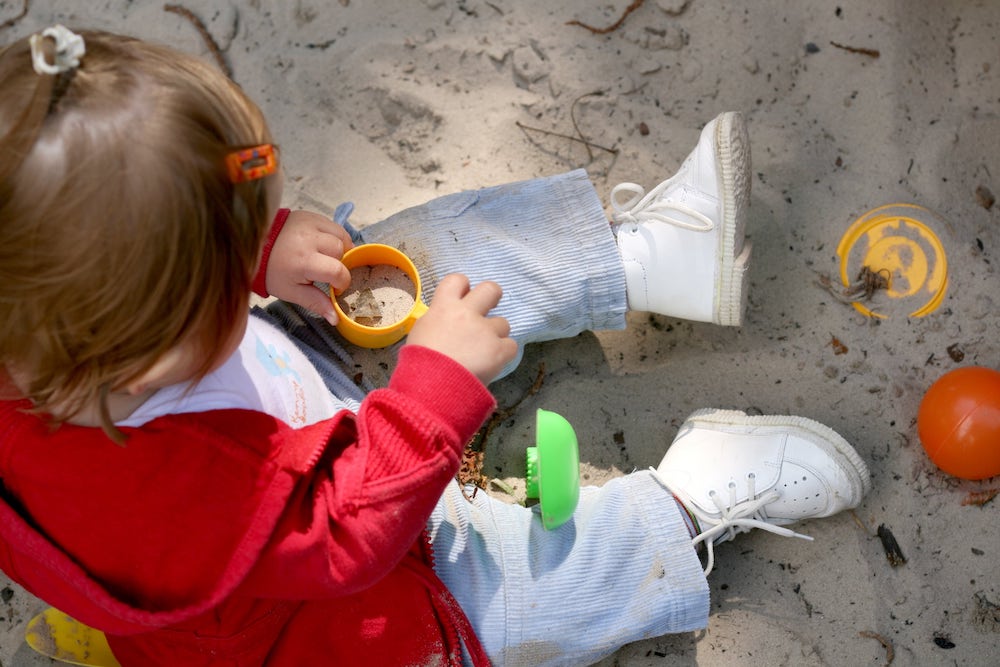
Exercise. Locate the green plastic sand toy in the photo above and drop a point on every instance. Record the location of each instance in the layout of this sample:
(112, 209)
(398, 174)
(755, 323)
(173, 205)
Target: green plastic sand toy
(553, 465)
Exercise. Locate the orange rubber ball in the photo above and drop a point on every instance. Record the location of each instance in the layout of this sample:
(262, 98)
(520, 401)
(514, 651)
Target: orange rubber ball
(959, 422)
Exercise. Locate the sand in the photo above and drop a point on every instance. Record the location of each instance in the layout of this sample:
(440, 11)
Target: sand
(378, 296)
(388, 104)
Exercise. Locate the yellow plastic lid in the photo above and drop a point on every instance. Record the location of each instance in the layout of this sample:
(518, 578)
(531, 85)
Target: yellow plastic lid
(896, 240)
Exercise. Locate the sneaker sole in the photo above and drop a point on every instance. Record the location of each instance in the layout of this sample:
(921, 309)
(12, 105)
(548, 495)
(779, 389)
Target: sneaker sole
(824, 436)
(732, 153)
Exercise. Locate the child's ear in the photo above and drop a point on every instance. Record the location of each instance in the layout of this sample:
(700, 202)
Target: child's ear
(166, 371)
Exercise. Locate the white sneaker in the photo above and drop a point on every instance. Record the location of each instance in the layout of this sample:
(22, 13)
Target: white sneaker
(682, 242)
(735, 472)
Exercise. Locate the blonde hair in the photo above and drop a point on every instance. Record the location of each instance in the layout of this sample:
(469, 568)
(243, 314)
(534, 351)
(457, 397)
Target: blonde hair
(121, 234)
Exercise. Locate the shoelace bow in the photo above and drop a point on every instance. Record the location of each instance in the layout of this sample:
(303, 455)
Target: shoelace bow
(734, 517)
(643, 206)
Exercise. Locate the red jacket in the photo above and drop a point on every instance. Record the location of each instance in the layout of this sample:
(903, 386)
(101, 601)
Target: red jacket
(228, 538)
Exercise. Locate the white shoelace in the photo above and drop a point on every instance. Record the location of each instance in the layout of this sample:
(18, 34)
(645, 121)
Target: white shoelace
(643, 206)
(735, 517)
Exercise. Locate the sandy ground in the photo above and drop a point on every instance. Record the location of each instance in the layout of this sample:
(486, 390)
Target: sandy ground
(388, 104)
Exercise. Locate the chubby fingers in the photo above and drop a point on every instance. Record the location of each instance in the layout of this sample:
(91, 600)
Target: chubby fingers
(485, 296)
(329, 242)
(451, 288)
(322, 268)
(308, 250)
(482, 298)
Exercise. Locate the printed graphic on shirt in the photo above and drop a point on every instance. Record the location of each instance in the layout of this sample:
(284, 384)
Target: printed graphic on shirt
(279, 365)
(268, 373)
(274, 362)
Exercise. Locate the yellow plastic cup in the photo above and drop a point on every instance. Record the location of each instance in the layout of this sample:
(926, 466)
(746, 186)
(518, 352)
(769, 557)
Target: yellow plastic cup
(374, 254)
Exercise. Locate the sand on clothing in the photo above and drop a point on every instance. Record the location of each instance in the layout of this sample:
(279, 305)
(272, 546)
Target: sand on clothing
(851, 105)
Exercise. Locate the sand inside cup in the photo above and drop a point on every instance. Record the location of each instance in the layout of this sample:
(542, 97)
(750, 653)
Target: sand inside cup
(379, 295)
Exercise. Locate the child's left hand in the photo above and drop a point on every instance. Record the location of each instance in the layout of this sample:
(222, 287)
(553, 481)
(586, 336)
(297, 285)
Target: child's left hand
(308, 249)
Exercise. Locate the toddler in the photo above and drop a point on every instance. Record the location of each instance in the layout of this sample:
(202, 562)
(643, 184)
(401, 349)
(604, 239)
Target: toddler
(208, 486)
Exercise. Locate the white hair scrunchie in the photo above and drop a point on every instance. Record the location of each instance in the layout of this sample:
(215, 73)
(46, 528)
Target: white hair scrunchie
(69, 50)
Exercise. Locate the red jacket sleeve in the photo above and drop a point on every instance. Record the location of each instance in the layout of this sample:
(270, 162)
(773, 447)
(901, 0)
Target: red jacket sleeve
(196, 507)
(260, 280)
(352, 520)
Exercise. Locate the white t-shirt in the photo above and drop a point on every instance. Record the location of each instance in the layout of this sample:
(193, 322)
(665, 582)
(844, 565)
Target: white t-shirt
(267, 373)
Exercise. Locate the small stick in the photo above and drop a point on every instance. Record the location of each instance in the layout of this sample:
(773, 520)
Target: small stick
(11, 21)
(872, 53)
(889, 653)
(213, 46)
(614, 26)
(860, 523)
(572, 117)
(478, 442)
(504, 413)
(613, 151)
(504, 486)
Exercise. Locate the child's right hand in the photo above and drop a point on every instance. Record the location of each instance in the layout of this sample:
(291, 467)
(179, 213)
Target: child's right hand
(456, 325)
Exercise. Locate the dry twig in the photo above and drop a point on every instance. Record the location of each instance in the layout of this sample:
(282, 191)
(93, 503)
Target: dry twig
(213, 46)
(871, 53)
(614, 26)
(889, 653)
(479, 441)
(572, 117)
(526, 128)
